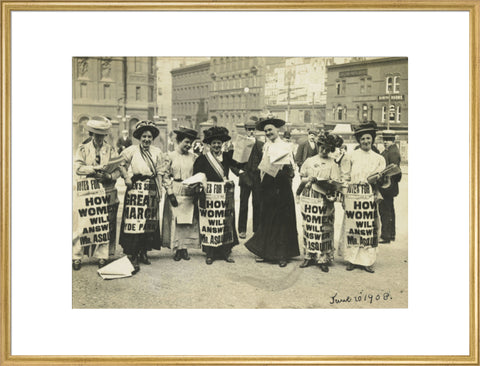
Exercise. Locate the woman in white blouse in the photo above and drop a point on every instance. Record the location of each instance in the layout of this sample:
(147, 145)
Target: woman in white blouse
(180, 225)
(140, 229)
(360, 229)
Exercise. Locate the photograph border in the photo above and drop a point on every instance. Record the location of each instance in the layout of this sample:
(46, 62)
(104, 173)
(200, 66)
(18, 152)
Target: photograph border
(7, 7)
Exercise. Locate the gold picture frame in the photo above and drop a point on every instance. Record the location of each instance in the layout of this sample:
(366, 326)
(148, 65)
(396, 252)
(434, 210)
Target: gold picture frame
(7, 7)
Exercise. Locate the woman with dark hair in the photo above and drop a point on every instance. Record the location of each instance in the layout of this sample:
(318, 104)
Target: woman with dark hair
(180, 224)
(359, 237)
(276, 238)
(216, 165)
(317, 198)
(140, 229)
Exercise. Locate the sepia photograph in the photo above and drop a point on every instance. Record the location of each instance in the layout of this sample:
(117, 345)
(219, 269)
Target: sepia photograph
(240, 182)
(252, 182)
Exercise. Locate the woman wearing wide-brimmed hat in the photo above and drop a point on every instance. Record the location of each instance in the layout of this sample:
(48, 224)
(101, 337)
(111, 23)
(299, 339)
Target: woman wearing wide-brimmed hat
(180, 225)
(216, 166)
(140, 229)
(276, 237)
(317, 203)
(359, 237)
(92, 181)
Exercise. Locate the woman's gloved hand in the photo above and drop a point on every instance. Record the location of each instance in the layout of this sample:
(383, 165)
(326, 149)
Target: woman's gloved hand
(172, 199)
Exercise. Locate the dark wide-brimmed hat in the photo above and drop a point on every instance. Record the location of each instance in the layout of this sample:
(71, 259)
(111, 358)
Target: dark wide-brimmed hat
(187, 132)
(143, 126)
(98, 126)
(330, 141)
(251, 123)
(312, 132)
(216, 133)
(388, 135)
(269, 120)
(369, 127)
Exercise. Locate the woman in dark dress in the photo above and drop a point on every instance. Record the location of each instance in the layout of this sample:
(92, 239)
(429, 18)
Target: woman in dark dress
(140, 227)
(276, 238)
(216, 165)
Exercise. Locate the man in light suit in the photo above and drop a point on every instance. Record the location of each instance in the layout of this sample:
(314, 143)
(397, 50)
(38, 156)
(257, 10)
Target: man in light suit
(307, 149)
(249, 182)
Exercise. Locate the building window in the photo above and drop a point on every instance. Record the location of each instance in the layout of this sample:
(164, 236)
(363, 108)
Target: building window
(384, 113)
(362, 86)
(83, 90)
(396, 84)
(389, 85)
(358, 113)
(364, 112)
(106, 91)
(369, 85)
(338, 87)
(399, 110)
(344, 87)
(391, 113)
(345, 112)
(371, 112)
(137, 93)
(339, 113)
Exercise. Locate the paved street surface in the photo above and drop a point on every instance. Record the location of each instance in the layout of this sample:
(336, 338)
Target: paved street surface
(246, 284)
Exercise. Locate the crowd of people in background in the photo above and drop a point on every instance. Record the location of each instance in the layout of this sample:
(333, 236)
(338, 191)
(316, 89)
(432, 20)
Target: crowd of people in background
(194, 180)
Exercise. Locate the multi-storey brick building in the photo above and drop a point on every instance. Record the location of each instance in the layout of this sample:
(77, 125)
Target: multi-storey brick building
(121, 89)
(190, 94)
(238, 88)
(375, 89)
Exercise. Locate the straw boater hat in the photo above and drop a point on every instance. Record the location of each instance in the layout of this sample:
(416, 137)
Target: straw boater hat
(216, 133)
(369, 127)
(388, 135)
(143, 126)
(269, 120)
(98, 126)
(331, 142)
(187, 132)
(251, 123)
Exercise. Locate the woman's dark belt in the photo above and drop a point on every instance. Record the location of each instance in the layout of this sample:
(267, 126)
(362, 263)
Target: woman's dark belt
(138, 177)
(178, 180)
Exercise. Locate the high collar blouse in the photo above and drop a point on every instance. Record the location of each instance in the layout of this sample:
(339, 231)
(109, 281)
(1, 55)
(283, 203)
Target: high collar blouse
(359, 164)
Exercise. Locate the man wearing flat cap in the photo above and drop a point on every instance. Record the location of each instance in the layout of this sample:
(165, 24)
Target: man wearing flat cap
(307, 149)
(389, 191)
(249, 182)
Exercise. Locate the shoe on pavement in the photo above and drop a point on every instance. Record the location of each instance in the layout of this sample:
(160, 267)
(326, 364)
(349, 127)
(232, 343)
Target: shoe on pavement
(282, 263)
(102, 263)
(350, 267)
(306, 263)
(369, 269)
(242, 235)
(384, 241)
(259, 260)
(177, 256)
(209, 260)
(324, 267)
(76, 264)
(185, 255)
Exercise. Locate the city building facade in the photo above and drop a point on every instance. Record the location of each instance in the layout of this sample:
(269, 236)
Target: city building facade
(121, 89)
(190, 95)
(238, 89)
(164, 84)
(374, 89)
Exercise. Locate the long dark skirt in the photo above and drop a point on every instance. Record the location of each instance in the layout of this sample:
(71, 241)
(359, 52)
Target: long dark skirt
(133, 243)
(276, 237)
